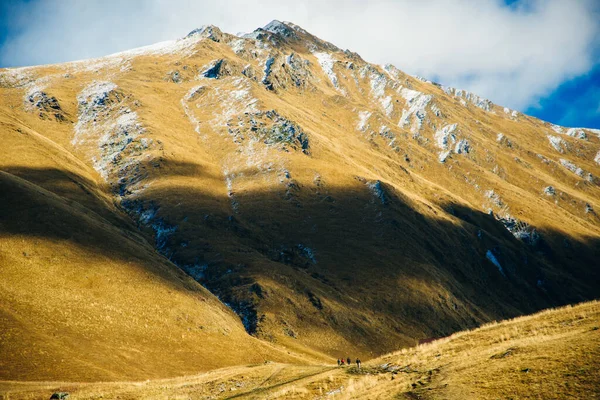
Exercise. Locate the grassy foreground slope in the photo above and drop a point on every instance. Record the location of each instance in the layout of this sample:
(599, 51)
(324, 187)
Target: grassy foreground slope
(552, 354)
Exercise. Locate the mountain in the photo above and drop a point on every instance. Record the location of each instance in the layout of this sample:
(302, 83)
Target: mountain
(334, 205)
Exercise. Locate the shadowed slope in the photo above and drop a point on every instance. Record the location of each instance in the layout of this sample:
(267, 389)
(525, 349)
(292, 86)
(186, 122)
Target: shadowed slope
(82, 299)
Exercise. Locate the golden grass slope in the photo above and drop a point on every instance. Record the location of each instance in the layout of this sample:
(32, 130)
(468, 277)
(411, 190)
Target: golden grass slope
(298, 183)
(83, 296)
(554, 354)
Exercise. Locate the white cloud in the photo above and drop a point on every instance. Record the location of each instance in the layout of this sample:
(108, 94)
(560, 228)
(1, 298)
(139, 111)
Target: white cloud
(512, 55)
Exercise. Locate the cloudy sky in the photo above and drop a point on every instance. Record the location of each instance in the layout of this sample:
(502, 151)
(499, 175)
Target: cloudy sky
(541, 57)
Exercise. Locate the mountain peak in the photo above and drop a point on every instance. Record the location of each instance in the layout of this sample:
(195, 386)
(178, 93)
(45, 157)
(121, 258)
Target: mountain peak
(280, 28)
(208, 31)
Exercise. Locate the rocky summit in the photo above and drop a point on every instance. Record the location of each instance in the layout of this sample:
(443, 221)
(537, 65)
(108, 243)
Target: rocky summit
(219, 199)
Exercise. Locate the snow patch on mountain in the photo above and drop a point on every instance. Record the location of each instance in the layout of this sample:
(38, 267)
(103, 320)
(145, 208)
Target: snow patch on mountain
(512, 113)
(571, 167)
(92, 101)
(480, 102)
(378, 82)
(184, 47)
(229, 177)
(117, 137)
(577, 133)
(392, 71)
(387, 105)
(363, 117)
(416, 102)
(326, 61)
(112, 136)
(190, 96)
(233, 102)
(463, 146)
(445, 135)
(557, 143)
(556, 128)
(576, 170)
(443, 156)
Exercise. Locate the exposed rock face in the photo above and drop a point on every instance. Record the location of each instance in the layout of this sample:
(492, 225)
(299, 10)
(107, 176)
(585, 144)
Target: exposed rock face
(46, 106)
(217, 69)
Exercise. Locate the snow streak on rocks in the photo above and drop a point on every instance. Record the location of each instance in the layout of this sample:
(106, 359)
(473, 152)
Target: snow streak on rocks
(519, 229)
(363, 117)
(480, 102)
(378, 83)
(462, 146)
(93, 101)
(38, 100)
(557, 143)
(233, 102)
(326, 61)
(415, 114)
(576, 170)
(445, 137)
(512, 113)
(556, 128)
(191, 95)
(112, 134)
(577, 133)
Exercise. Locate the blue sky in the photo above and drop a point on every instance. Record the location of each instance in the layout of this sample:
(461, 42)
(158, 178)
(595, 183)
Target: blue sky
(541, 57)
(575, 103)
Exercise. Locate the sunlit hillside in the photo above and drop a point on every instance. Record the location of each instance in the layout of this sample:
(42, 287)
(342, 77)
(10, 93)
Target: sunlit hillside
(554, 354)
(220, 200)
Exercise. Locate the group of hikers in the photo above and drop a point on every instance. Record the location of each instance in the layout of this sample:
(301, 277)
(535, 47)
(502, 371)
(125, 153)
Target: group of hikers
(341, 362)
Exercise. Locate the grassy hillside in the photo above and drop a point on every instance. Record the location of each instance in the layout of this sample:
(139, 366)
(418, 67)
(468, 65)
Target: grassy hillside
(334, 205)
(83, 296)
(553, 354)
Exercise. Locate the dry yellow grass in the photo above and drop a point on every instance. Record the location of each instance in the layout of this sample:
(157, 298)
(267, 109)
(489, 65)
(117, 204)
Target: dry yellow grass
(554, 354)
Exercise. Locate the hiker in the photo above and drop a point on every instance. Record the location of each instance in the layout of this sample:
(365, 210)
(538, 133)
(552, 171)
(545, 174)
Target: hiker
(342, 362)
(358, 363)
(339, 362)
(349, 361)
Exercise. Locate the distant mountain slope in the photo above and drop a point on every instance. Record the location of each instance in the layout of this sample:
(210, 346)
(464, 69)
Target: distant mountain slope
(333, 204)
